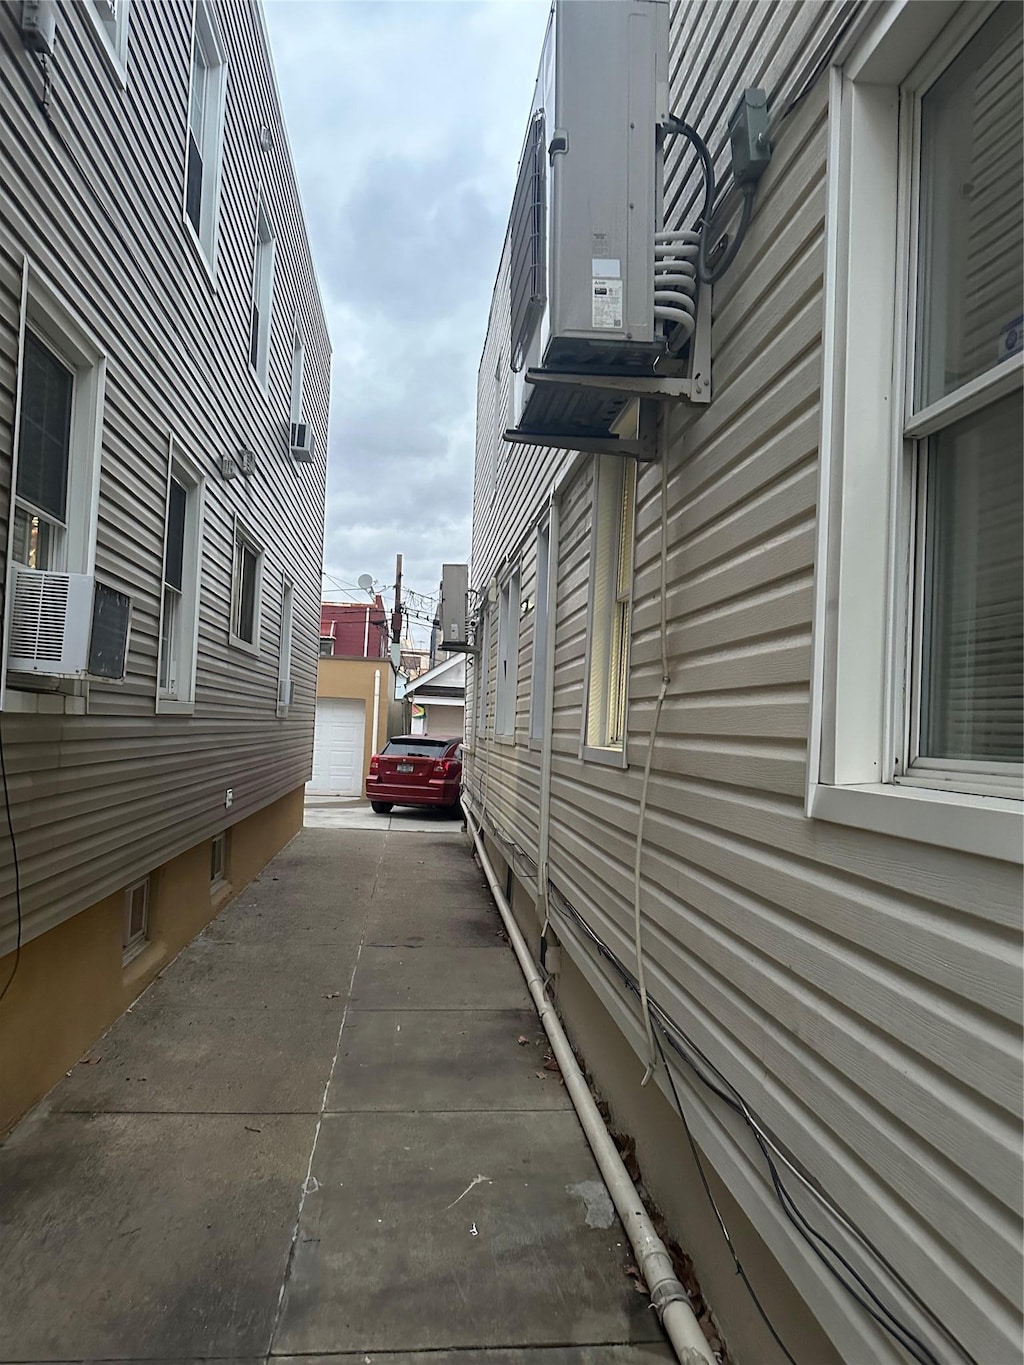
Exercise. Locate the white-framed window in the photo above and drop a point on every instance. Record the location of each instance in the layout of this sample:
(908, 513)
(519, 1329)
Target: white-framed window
(135, 919)
(110, 20)
(298, 376)
(481, 670)
(219, 854)
(919, 631)
(538, 692)
(499, 418)
(611, 596)
(204, 136)
(182, 576)
(284, 657)
(327, 646)
(246, 590)
(262, 297)
(507, 662)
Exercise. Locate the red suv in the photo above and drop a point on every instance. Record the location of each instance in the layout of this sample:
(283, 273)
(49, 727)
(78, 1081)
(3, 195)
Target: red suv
(416, 770)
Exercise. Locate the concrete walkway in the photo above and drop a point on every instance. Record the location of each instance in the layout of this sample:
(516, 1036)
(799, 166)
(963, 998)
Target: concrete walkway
(320, 1135)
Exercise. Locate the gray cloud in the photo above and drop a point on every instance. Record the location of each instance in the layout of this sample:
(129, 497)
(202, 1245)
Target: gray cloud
(405, 120)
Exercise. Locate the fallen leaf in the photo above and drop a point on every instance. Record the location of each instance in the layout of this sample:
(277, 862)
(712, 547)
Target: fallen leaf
(522, 1040)
(638, 1280)
(549, 1061)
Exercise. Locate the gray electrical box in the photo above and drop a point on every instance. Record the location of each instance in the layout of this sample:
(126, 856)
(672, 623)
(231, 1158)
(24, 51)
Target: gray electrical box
(588, 198)
(454, 611)
(39, 25)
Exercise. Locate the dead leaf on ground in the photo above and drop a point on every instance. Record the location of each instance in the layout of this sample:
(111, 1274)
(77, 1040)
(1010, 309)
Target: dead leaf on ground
(549, 1061)
(638, 1280)
(522, 1040)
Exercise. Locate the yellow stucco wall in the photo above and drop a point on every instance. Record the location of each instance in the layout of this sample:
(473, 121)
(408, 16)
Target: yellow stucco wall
(72, 983)
(354, 678)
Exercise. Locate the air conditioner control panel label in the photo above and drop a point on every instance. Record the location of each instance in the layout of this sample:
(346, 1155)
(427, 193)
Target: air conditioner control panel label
(607, 302)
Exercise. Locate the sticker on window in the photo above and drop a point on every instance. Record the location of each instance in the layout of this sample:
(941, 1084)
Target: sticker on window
(607, 311)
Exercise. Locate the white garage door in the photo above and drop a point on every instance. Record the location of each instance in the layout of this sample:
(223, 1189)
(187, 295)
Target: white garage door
(338, 747)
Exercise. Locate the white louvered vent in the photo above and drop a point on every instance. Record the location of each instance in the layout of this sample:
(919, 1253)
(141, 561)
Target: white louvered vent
(51, 615)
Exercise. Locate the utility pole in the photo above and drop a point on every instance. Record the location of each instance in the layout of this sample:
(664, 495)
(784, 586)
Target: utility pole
(396, 615)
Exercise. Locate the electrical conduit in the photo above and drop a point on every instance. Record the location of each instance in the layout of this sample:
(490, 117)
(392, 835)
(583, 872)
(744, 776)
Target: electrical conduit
(667, 1294)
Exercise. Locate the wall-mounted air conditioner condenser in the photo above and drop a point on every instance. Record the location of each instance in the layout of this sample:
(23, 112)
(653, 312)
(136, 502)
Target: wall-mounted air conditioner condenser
(587, 202)
(66, 625)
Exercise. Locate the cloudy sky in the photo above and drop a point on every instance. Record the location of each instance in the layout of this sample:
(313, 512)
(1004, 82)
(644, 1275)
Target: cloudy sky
(405, 118)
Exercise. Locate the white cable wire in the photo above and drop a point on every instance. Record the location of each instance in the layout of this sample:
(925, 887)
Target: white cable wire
(652, 1046)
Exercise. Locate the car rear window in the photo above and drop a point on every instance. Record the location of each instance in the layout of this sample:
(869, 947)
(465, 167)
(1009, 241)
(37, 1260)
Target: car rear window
(415, 748)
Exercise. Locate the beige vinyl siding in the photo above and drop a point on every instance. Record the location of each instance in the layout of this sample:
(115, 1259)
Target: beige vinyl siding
(862, 992)
(100, 799)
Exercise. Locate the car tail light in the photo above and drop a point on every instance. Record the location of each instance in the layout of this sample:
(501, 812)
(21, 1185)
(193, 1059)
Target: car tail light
(374, 764)
(442, 766)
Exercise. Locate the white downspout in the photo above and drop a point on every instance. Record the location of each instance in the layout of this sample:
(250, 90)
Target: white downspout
(667, 1294)
(376, 708)
(366, 646)
(544, 828)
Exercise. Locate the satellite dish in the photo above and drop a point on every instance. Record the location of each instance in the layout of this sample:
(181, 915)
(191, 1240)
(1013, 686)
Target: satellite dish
(365, 581)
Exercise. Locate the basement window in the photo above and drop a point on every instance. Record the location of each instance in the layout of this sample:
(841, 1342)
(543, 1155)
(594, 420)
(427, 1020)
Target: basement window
(219, 861)
(135, 925)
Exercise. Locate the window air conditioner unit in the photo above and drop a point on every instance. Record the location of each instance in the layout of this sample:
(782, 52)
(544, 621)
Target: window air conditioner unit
(302, 442)
(39, 25)
(588, 334)
(66, 625)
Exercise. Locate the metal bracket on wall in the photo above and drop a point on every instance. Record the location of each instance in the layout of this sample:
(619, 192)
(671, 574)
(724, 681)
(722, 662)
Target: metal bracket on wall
(643, 446)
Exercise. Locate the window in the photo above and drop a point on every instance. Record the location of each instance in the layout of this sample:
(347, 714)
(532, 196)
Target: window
(298, 377)
(179, 608)
(284, 662)
(219, 860)
(110, 20)
(246, 591)
(611, 592)
(262, 296)
(59, 426)
(508, 657)
(327, 646)
(481, 670)
(538, 693)
(205, 129)
(919, 627)
(135, 922)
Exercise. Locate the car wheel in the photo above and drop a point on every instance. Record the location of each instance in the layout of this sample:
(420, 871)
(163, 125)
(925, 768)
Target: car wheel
(382, 807)
(454, 811)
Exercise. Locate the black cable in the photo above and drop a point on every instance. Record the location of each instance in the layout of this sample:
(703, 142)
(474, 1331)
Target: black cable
(705, 273)
(717, 1211)
(10, 818)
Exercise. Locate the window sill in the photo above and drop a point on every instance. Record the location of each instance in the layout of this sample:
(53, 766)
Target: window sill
(988, 826)
(43, 703)
(262, 384)
(282, 712)
(197, 246)
(611, 758)
(169, 706)
(236, 642)
(505, 739)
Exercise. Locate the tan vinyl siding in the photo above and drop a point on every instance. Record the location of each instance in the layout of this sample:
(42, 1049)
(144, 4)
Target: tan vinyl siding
(102, 798)
(863, 992)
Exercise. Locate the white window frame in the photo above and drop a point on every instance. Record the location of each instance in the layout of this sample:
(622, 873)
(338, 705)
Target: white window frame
(285, 643)
(181, 699)
(538, 681)
(111, 24)
(264, 251)
(481, 670)
(47, 313)
(133, 944)
(507, 663)
(243, 535)
(205, 32)
(298, 375)
(608, 474)
(863, 562)
(220, 852)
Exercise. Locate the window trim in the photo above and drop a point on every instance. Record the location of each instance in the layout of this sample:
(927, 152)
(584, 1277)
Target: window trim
(131, 947)
(298, 381)
(538, 671)
(187, 473)
(220, 879)
(612, 755)
(262, 296)
(203, 13)
(859, 640)
(481, 671)
(506, 689)
(286, 641)
(242, 534)
(47, 312)
(114, 47)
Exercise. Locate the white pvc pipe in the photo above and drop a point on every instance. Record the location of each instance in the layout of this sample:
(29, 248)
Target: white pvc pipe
(544, 819)
(653, 1261)
(376, 709)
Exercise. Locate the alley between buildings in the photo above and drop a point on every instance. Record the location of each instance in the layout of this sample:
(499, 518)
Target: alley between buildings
(326, 1131)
